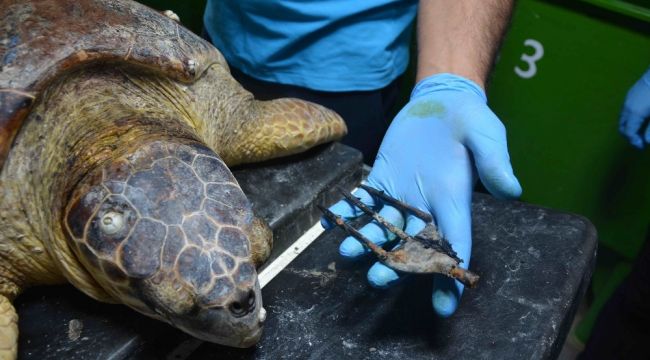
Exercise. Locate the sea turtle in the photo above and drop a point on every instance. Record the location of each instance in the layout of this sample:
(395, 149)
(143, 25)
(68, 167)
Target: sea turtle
(116, 129)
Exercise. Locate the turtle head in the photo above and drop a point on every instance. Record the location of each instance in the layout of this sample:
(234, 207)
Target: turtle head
(166, 230)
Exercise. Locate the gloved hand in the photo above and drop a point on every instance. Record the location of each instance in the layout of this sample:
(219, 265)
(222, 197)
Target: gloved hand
(425, 160)
(635, 110)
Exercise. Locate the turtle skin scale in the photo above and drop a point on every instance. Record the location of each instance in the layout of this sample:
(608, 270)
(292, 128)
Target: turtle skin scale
(117, 130)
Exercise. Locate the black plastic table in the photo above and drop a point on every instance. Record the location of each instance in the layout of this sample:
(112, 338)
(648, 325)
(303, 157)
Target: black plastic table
(534, 264)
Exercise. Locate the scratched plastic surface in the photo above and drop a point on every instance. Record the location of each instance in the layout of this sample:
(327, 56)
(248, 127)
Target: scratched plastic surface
(534, 265)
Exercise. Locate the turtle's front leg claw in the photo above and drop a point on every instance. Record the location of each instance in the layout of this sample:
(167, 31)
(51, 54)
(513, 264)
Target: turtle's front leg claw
(427, 252)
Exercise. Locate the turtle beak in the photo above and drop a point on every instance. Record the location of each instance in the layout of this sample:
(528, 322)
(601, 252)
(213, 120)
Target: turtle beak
(226, 325)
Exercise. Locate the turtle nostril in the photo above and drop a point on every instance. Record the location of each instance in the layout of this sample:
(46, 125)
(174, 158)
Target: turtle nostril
(244, 304)
(236, 308)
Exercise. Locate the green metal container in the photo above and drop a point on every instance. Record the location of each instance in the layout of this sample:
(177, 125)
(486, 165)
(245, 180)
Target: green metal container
(559, 85)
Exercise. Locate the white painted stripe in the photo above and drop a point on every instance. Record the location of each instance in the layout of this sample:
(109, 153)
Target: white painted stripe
(303, 242)
(292, 252)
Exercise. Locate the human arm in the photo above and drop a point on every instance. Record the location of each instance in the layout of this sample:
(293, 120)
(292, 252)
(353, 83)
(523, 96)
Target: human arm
(636, 109)
(460, 37)
(429, 153)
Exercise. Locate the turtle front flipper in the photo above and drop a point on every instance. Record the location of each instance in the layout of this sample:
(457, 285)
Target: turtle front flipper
(276, 128)
(8, 329)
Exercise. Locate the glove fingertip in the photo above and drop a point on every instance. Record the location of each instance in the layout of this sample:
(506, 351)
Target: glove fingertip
(346, 210)
(497, 175)
(414, 225)
(503, 185)
(636, 142)
(446, 296)
(343, 209)
(351, 248)
(380, 276)
(444, 304)
(326, 224)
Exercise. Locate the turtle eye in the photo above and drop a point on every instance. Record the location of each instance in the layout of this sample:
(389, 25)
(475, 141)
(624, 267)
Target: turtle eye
(111, 223)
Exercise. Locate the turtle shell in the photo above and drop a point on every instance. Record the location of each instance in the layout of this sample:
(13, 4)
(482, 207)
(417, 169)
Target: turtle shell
(42, 39)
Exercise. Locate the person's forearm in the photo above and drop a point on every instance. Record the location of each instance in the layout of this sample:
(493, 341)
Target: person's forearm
(460, 36)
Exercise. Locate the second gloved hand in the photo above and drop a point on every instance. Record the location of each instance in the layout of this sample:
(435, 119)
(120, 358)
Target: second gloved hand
(636, 110)
(425, 160)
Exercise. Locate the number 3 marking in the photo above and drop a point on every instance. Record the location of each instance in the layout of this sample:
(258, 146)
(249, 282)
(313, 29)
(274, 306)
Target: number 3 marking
(530, 59)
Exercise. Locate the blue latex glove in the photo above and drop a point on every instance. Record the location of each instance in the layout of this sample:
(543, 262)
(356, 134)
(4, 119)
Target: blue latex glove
(425, 160)
(635, 110)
